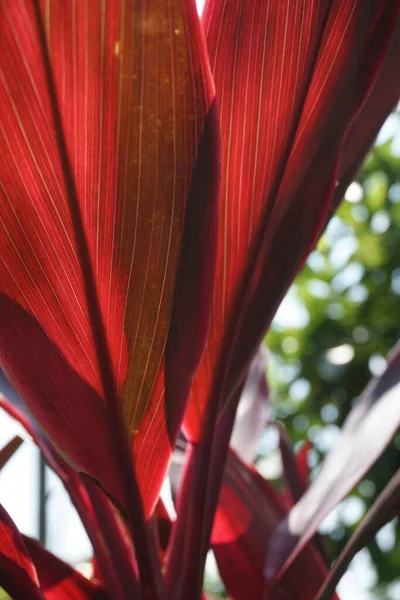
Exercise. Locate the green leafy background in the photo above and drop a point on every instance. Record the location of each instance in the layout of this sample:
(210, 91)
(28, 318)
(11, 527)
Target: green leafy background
(349, 294)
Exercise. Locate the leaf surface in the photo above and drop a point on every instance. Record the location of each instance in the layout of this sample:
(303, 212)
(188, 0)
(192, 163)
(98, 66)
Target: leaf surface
(247, 514)
(17, 573)
(251, 416)
(291, 78)
(109, 539)
(281, 71)
(102, 155)
(295, 467)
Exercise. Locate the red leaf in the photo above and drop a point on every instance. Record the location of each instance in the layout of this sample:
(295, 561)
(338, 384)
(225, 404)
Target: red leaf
(291, 78)
(9, 450)
(112, 552)
(295, 468)
(248, 512)
(302, 462)
(385, 508)
(163, 525)
(17, 573)
(58, 580)
(276, 100)
(102, 155)
(376, 107)
(366, 432)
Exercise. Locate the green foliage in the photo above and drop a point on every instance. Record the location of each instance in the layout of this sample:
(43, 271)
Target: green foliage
(350, 289)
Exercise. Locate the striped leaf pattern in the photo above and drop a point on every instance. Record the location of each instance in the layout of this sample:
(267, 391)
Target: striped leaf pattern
(127, 91)
(291, 79)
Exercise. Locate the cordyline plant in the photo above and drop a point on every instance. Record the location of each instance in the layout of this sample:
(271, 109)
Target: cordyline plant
(163, 179)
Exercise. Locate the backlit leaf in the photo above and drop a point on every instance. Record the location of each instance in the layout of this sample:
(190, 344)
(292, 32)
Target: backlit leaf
(17, 573)
(102, 152)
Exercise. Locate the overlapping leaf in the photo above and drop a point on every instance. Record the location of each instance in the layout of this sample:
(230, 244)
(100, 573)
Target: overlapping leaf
(106, 165)
(17, 573)
(295, 466)
(291, 78)
(108, 537)
(58, 580)
(367, 431)
(247, 514)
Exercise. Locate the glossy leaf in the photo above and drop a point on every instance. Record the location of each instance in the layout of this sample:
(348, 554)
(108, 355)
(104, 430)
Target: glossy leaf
(385, 508)
(58, 580)
(9, 450)
(17, 573)
(107, 133)
(249, 509)
(366, 432)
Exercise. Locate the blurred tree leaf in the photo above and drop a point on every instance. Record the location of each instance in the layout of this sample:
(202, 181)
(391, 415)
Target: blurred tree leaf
(350, 288)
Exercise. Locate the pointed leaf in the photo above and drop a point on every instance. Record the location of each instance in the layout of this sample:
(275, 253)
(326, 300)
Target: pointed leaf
(58, 580)
(101, 175)
(295, 472)
(385, 508)
(367, 431)
(251, 416)
(13, 405)
(17, 573)
(330, 58)
(163, 524)
(247, 514)
(9, 450)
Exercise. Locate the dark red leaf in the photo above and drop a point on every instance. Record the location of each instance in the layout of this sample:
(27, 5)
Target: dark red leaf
(295, 469)
(291, 77)
(302, 462)
(114, 551)
(17, 573)
(374, 110)
(366, 432)
(330, 59)
(385, 508)
(163, 524)
(58, 580)
(9, 450)
(248, 512)
(108, 157)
